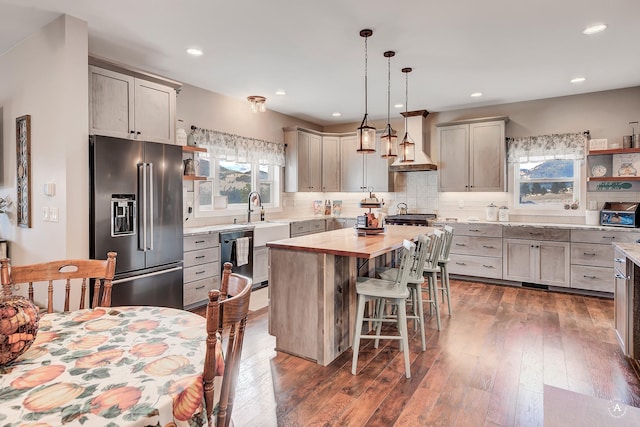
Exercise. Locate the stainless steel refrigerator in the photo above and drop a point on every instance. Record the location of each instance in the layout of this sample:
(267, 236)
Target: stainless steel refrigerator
(136, 211)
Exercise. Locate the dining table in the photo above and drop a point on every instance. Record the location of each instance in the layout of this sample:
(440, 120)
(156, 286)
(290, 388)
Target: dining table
(119, 366)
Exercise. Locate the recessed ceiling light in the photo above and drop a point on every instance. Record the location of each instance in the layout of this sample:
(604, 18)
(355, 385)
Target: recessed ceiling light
(595, 29)
(281, 92)
(194, 51)
(336, 114)
(476, 94)
(398, 105)
(578, 80)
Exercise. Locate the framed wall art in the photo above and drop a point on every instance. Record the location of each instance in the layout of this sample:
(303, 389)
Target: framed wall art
(23, 166)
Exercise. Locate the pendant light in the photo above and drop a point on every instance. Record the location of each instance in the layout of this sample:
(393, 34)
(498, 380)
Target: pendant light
(389, 138)
(366, 132)
(407, 146)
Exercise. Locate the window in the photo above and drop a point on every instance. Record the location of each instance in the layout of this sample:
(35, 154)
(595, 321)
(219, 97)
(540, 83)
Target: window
(234, 180)
(546, 183)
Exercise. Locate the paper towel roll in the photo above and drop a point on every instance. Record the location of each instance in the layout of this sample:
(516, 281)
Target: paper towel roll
(592, 217)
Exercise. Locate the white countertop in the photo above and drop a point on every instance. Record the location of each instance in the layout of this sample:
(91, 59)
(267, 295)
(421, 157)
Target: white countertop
(539, 225)
(252, 225)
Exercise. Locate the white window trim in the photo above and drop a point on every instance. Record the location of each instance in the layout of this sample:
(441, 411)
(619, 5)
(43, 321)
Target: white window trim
(518, 209)
(236, 209)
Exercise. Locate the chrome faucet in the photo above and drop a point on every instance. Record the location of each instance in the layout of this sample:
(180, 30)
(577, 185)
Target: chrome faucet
(249, 210)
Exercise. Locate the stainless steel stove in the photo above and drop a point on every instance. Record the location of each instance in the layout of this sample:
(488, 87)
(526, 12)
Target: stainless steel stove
(410, 219)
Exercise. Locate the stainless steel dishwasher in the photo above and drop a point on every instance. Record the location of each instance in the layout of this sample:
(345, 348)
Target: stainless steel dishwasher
(229, 251)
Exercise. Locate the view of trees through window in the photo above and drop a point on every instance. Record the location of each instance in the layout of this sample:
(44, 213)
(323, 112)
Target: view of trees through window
(546, 181)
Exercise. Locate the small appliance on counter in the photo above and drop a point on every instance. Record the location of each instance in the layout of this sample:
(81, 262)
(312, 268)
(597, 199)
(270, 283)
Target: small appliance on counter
(620, 214)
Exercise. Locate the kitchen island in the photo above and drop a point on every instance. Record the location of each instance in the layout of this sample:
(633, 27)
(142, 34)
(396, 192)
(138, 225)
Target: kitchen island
(312, 300)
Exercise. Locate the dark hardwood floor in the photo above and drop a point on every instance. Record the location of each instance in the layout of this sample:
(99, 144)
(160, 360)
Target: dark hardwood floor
(487, 367)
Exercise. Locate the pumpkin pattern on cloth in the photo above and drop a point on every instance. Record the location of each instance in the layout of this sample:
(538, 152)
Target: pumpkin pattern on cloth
(123, 366)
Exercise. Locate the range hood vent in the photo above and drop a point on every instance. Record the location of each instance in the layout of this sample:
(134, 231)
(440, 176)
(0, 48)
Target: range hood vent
(417, 129)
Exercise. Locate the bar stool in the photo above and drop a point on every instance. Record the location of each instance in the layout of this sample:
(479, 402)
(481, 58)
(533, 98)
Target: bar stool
(380, 290)
(442, 263)
(430, 270)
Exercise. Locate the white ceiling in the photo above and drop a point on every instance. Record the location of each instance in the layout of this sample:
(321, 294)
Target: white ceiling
(510, 50)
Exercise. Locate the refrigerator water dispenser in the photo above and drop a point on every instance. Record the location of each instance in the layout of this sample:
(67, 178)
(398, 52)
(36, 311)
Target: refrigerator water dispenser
(123, 215)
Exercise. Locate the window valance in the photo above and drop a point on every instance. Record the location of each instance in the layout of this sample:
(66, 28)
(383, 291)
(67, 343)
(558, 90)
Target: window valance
(227, 146)
(555, 146)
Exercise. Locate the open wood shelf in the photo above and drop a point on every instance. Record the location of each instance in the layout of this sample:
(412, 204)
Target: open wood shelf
(614, 151)
(614, 178)
(194, 178)
(192, 149)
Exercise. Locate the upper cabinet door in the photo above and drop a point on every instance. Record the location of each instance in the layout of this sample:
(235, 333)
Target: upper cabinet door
(110, 103)
(155, 107)
(352, 165)
(124, 106)
(377, 170)
(303, 161)
(472, 156)
(487, 156)
(454, 158)
(330, 163)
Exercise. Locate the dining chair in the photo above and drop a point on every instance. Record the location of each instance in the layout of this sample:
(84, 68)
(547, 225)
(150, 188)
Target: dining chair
(414, 283)
(375, 290)
(227, 312)
(69, 272)
(442, 263)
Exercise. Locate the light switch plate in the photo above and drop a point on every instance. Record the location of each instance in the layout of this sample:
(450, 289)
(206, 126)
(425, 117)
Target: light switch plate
(53, 214)
(45, 214)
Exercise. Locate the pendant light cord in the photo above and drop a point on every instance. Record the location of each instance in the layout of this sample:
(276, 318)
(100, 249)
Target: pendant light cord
(389, 94)
(366, 86)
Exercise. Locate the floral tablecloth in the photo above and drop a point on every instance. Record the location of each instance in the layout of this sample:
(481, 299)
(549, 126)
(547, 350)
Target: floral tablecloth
(121, 366)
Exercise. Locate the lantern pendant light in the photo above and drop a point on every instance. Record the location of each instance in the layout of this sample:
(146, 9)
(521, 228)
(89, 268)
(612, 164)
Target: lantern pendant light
(389, 138)
(366, 132)
(407, 146)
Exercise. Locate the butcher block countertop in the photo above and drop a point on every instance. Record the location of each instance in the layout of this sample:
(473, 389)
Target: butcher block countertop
(345, 242)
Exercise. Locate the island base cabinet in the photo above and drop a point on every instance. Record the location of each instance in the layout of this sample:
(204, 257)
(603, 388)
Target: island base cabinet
(311, 303)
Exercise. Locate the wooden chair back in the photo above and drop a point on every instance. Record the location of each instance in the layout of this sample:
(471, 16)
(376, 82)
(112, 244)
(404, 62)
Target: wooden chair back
(435, 250)
(62, 271)
(227, 313)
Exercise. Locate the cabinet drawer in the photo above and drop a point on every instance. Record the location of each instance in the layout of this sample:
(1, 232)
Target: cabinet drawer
(317, 226)
(485, 230)
(537, 233)
(299, 228)
(592, 278)
(476, 266)
(202, 256)
(485, 246)
(199, 290)
(200, 241)
(597, 236)
(591, 254)
(198, 272)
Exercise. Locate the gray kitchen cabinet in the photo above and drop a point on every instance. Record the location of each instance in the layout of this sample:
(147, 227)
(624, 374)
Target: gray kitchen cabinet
(260, 264)
(472, 155)
(340, 223)
(330, 163)
(537, 255)
(591, 254)
(201, 268)
(476, 250)
(359, 172)
(125, 106)
(304, 227)
(303, 157)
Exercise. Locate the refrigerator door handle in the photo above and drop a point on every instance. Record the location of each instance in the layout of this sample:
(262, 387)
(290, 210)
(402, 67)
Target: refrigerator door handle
(150, 246)
(141, 276)
(142, 177)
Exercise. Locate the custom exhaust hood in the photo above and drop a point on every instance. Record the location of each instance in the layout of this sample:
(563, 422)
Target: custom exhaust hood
(417, 128)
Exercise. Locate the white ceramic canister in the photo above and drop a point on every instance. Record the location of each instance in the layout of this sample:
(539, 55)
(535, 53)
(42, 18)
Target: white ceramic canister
(492, 212)
(181, 134)
(503, 214)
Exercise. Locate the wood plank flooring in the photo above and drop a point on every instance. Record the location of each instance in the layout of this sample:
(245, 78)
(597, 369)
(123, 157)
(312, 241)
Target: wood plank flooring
(487, 367)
